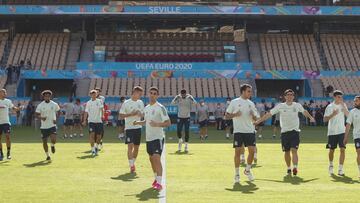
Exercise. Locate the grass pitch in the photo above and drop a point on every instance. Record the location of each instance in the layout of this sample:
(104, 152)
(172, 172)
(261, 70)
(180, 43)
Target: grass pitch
(203, 175)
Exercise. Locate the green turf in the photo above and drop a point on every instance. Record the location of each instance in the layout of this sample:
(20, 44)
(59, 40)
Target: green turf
(203, 175)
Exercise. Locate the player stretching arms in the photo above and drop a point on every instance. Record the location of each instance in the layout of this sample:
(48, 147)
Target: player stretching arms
(243, 111)
(93, 114)
(5, 125)
(290, 127)
(354, 119)
(48, 112)
(335, 114)
(155, 119)
(132, 110)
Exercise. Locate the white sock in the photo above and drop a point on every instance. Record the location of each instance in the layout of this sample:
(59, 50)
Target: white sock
(255, 155)
(237, 171)
(75, 134)
(289, 168)
(158, 179)
(65, 135)
(248, 167)
(52, 144)
(331, 163)
(180, 140)
(131, 162)
(340, 167)
(227, 134)
(96, 146)
(81, 134)
(295, 165)
(47, 153)
(93, 148)
(242, 156)
(274, 135)
(186, 144)
(155, 174)
(134, 159)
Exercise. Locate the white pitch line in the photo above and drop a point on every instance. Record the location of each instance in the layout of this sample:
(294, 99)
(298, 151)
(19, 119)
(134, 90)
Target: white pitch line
(162, 195)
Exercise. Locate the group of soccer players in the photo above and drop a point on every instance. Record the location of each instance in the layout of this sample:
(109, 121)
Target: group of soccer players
(241, 111)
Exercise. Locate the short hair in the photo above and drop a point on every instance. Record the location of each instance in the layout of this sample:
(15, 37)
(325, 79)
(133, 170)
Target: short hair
(183, 91)
(337, 92)
(78, 100)
(357, 97)
(97, 89)
(243, 87)
(93, 91)
(49, 92)
(137, 88)
(154, 89)
(122, 98)
(228, 98)
(289, 91)
(3, 90)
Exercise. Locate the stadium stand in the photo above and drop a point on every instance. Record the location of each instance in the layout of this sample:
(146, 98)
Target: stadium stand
(45, 50)
(2, 81)
(342, 51)
(349, 85)
(170, 87)
(289, 52)
(55, 2)
(3, 41)
(164, 45)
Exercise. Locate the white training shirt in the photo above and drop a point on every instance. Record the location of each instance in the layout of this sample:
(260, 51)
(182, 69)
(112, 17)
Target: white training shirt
(128, 107)
(69, 111)
(5, 105)
(94, 108)
(156, 113)
(289, 116)
(243, 123)
(48, 110)
(354, 119)
(336, 125)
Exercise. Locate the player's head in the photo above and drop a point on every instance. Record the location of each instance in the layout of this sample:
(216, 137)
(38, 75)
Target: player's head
(202, 102)
(137, 92)
(46, 94)
(93, 94)
(3, 93)
(246, 91)
(218, 105)
(357, 102)
(153, 94)
(338, 96)
(289, 95)
(77, 101)
(98, 91)
(183, 93)
(122, 99)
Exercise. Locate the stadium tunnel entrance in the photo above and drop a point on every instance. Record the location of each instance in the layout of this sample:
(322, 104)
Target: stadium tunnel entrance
(60, 87)
(275, 88)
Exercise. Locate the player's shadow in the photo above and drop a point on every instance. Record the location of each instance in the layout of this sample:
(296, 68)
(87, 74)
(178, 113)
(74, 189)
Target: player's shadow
(343, 179)
(146, 195)
(39, 163)
(85, 157)
(87, 152)
(4, 163)
(294, 180)
(181, 153)
(127, 177)
(250, 188)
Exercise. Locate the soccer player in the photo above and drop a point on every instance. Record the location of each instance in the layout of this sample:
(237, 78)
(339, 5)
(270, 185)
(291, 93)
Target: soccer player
(102, 99)
(5, 125)
(78, 115)
(184, 102)
(243, 111)
(219, 114)
(93, 115)
(203, 116)
(69, 118)
(132, 110)
(121, 122)
(261, 107)
(156, 119)
(48, 112)
(354, 119)
(290, 127)
(335, 114)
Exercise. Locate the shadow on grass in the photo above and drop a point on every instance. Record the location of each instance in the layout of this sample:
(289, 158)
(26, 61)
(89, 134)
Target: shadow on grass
(4, 163)
(294, 180)
(87, 152)
(181, 153)
(127, 177)
(250, 188)
(39, 163)
(146, 195)
(86, 157)
(344, 179)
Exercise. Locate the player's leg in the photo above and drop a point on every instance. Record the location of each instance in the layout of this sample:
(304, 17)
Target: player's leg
(156, 158)
(179, 126)
(342, 154)
(242, 154)
(255, 155)
(331, 145)
(187, 133)
(237, 164)
(1, 150)
(53, 141)
(45, 146)
(8, 145)
(65, 130)
(71, 128)
(295, 159)
(206, 130)
(358, 159)
(286, 149)
(250, 143)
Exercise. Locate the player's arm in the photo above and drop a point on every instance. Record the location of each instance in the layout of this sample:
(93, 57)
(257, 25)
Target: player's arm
(263, 118)
(309, 116)
(85, 117)
(346, 110)
(175, 100)
(139, 122)
(347, 132)
(163, 124)
(332, 115)
(192, 99)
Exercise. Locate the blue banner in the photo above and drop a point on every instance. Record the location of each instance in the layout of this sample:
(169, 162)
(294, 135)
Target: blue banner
(48, 74)
(177, 10)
